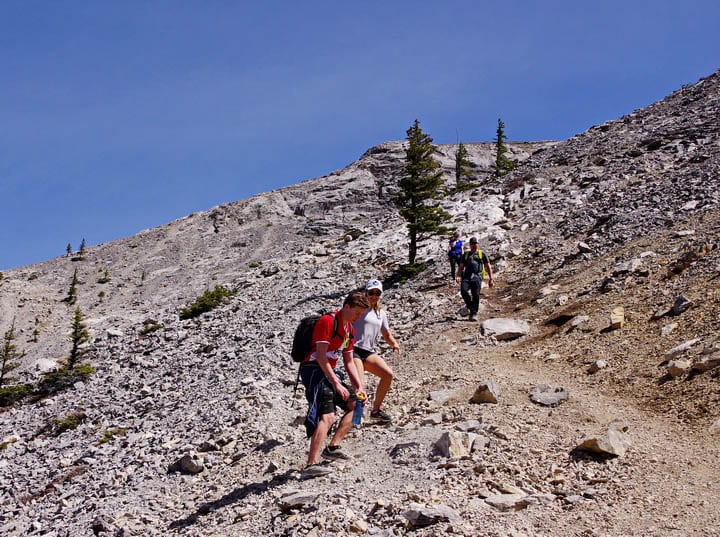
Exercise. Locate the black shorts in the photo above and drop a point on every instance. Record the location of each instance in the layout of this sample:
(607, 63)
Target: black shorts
(362, 354)
(319, 392)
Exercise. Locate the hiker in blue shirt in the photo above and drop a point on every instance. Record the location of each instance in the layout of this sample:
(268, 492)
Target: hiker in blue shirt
(473, 266)
(455, 252)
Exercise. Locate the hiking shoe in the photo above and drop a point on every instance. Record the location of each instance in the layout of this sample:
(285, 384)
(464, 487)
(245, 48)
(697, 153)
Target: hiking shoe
(380, 416)
(472, 317)
(316, 470)
(333, 453)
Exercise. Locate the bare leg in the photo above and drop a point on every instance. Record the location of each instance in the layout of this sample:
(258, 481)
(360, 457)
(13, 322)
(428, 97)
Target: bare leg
(378, 367)
(344, 426)
(360, 368)
(319, 436)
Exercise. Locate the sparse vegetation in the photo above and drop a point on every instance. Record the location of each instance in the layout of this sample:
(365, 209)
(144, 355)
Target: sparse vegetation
(8, 356)
(33, 276)
(11, 394)
(71, 421)
(101, 295)
(4, 445)
(63, 378)
(255, 264)
(151, 326)
(503, 165)
(404, 273)
(419, 191)
(71, 297)
(105, 277)
(206, 302)
(110, 434)
(78, 336)
(463, 174)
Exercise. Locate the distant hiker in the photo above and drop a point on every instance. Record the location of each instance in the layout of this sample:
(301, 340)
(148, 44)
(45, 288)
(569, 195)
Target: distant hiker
(455, 252)
(473, 266)
(368, 328)
(332, 338)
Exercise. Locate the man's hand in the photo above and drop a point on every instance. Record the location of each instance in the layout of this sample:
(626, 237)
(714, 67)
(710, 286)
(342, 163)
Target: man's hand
(342, 390)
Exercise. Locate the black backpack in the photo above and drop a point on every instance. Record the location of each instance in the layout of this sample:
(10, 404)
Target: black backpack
(302, 340)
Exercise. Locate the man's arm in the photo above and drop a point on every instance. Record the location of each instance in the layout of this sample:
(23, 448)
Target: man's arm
(488, 269)
(352, 372)
(461, 266)
(322, 360)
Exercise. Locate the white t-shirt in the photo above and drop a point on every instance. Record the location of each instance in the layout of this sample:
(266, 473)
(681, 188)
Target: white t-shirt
(369, 327)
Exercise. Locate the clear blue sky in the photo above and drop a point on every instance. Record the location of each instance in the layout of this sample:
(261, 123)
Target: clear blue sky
(121, 116)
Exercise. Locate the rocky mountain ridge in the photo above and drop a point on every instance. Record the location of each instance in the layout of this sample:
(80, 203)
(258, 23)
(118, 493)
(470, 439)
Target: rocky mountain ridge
(189, 430)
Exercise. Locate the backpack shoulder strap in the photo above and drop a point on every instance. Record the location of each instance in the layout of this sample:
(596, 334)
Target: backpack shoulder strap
(335, 325)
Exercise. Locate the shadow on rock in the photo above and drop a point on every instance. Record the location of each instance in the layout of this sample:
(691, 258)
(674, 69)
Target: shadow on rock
(233, 497)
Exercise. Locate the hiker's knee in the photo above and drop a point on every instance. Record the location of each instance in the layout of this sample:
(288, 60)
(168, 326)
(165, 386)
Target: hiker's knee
(328, 419)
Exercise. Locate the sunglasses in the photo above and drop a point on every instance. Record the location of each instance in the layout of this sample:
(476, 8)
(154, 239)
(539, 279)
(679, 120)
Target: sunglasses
(374, 293)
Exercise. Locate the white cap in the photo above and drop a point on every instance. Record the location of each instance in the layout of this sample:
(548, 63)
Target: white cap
(373, 284)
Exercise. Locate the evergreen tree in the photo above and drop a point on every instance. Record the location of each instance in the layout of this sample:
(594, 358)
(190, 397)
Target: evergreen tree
(419, 190)
(81, 251)
(462, 171)
(78, 336)
(72, 292)
(68, 249)
(8, 354)
(503, 165)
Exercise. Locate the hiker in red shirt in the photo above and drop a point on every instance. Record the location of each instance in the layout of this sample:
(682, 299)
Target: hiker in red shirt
(333, 337)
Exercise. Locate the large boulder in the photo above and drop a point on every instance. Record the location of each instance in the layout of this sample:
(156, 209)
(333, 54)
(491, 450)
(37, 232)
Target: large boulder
(503, 328)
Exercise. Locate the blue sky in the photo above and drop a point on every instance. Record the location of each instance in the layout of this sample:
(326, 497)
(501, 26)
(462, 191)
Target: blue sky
(121, 116)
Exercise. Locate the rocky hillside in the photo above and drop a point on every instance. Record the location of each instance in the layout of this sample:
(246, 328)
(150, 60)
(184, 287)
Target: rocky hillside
(594, 370)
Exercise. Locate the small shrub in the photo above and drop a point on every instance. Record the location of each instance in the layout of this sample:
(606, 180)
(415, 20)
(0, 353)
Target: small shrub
(149, 327)
(405, 272)
(105, 278)
(255, 264)
(11, 394)
(63, 378)
(68, 423)
(206, 302)
(101, 295)
(33, 276)
(110, 434)
(4, 445)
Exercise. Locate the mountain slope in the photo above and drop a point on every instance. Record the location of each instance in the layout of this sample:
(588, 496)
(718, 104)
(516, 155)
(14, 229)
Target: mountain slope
(639, 193)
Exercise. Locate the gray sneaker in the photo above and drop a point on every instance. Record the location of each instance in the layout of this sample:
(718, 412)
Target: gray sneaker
(380, 416)
(316, 470)
(333, 453)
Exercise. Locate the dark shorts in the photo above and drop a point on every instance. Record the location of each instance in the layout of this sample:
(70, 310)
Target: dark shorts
(321, 396)
(362, 354)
